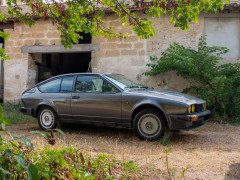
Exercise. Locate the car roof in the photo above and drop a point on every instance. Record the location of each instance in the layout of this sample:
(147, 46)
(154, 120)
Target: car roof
(71, 74)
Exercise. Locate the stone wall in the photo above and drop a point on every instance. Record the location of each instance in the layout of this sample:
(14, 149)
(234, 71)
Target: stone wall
(20, 71)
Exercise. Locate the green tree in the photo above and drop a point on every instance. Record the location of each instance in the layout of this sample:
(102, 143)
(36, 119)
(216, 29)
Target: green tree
(74, 16)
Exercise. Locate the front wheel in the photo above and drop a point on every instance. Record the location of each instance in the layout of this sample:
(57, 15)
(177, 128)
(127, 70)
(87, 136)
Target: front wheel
(47, 118)
(149, 124)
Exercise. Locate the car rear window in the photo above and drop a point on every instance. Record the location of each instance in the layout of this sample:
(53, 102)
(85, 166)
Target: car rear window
(67, 84)
(52, 86)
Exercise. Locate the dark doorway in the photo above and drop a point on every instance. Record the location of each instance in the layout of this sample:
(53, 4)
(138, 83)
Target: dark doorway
(62, 63)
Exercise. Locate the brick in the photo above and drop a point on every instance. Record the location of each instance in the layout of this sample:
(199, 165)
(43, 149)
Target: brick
(138, 62)
(141, 53)
(124, 45)
(138, 45)
(129, 52)
(112, 53)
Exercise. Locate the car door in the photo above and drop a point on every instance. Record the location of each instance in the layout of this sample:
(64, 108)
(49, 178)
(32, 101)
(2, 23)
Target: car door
(95, 99)
(57, 93)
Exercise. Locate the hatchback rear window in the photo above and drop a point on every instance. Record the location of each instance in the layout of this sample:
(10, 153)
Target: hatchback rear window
(52, 86)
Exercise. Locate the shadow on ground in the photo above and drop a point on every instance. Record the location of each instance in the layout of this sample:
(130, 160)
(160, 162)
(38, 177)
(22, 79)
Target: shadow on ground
(233, 173)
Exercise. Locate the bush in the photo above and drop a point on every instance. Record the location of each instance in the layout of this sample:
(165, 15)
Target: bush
(218, 85)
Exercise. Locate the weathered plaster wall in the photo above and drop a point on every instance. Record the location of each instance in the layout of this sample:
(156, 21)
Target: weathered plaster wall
(20, 72)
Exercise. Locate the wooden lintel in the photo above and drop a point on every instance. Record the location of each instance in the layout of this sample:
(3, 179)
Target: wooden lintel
(60, 49)
(6, 25)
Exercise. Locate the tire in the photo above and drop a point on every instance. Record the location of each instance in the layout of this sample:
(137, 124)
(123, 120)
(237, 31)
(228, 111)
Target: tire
(47, 118)
(149, 125)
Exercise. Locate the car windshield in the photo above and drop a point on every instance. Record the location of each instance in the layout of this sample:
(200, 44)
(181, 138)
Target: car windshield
(123, 82)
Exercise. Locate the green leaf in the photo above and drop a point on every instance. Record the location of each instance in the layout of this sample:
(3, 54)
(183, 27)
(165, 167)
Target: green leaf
(6, 121)
(27, 142)
(45, 174)
(60, 131)
(20, 160)
(32, 172)
(35, 132)
(8, 152)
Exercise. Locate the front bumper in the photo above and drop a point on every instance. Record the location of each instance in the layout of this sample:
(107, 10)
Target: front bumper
(27, 111)
(184, 122)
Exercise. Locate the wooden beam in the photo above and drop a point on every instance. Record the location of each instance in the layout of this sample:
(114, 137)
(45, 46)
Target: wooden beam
(6, 25)
(60, 49)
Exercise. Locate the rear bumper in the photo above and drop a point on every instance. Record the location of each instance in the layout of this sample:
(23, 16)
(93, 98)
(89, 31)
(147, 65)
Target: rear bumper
(184, 122)
(27, 111)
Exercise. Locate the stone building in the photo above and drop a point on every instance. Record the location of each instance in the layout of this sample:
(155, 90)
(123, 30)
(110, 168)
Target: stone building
(36, 52)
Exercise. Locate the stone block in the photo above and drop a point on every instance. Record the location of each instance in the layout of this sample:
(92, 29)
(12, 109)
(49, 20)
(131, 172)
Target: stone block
(112, 53)
(28, 42)
(138, 45)
(54, 34)
(131, 39)
(38, 35)
(141, 53)
(131, 52)
(108, 46)
(149, 46)
(124, 45)
(55, 41)
(9, 43)
(18, 42)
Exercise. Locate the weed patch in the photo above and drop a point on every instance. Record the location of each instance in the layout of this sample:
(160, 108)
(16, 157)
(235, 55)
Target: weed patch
(11, 111)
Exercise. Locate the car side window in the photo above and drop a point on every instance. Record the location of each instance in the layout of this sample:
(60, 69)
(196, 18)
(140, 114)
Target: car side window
(93, 84)
(51, 87)
(66, 85)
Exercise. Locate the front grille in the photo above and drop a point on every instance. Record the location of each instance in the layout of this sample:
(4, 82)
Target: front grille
(199, 107)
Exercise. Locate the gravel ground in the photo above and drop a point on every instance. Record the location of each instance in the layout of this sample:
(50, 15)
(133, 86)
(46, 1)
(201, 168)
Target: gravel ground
(211, 151)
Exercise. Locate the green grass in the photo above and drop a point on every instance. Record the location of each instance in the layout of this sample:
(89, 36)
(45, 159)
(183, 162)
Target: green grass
(11, 111)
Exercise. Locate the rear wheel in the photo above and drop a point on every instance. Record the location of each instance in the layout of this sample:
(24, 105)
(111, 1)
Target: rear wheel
(149, 124)
(47, 118)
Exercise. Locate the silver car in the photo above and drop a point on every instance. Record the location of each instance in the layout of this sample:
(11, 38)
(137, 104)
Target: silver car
(112, 99)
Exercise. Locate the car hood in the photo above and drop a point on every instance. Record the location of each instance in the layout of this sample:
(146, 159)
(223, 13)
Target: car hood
(171, 95)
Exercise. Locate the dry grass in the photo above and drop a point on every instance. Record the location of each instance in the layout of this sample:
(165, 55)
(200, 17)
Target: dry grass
(211, 152)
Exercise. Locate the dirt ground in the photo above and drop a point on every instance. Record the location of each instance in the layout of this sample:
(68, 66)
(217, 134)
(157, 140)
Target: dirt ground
(211, 152)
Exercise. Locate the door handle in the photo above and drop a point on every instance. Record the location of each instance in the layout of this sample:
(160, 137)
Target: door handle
(75, 97)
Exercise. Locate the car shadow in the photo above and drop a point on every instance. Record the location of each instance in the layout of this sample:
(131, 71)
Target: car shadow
(100, 131)
(233, 173)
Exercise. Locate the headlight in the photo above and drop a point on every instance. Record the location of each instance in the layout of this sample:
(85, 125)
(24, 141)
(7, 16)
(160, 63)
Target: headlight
(191, 108)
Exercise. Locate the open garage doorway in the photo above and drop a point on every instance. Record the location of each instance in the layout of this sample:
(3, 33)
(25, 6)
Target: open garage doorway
(61, 63)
